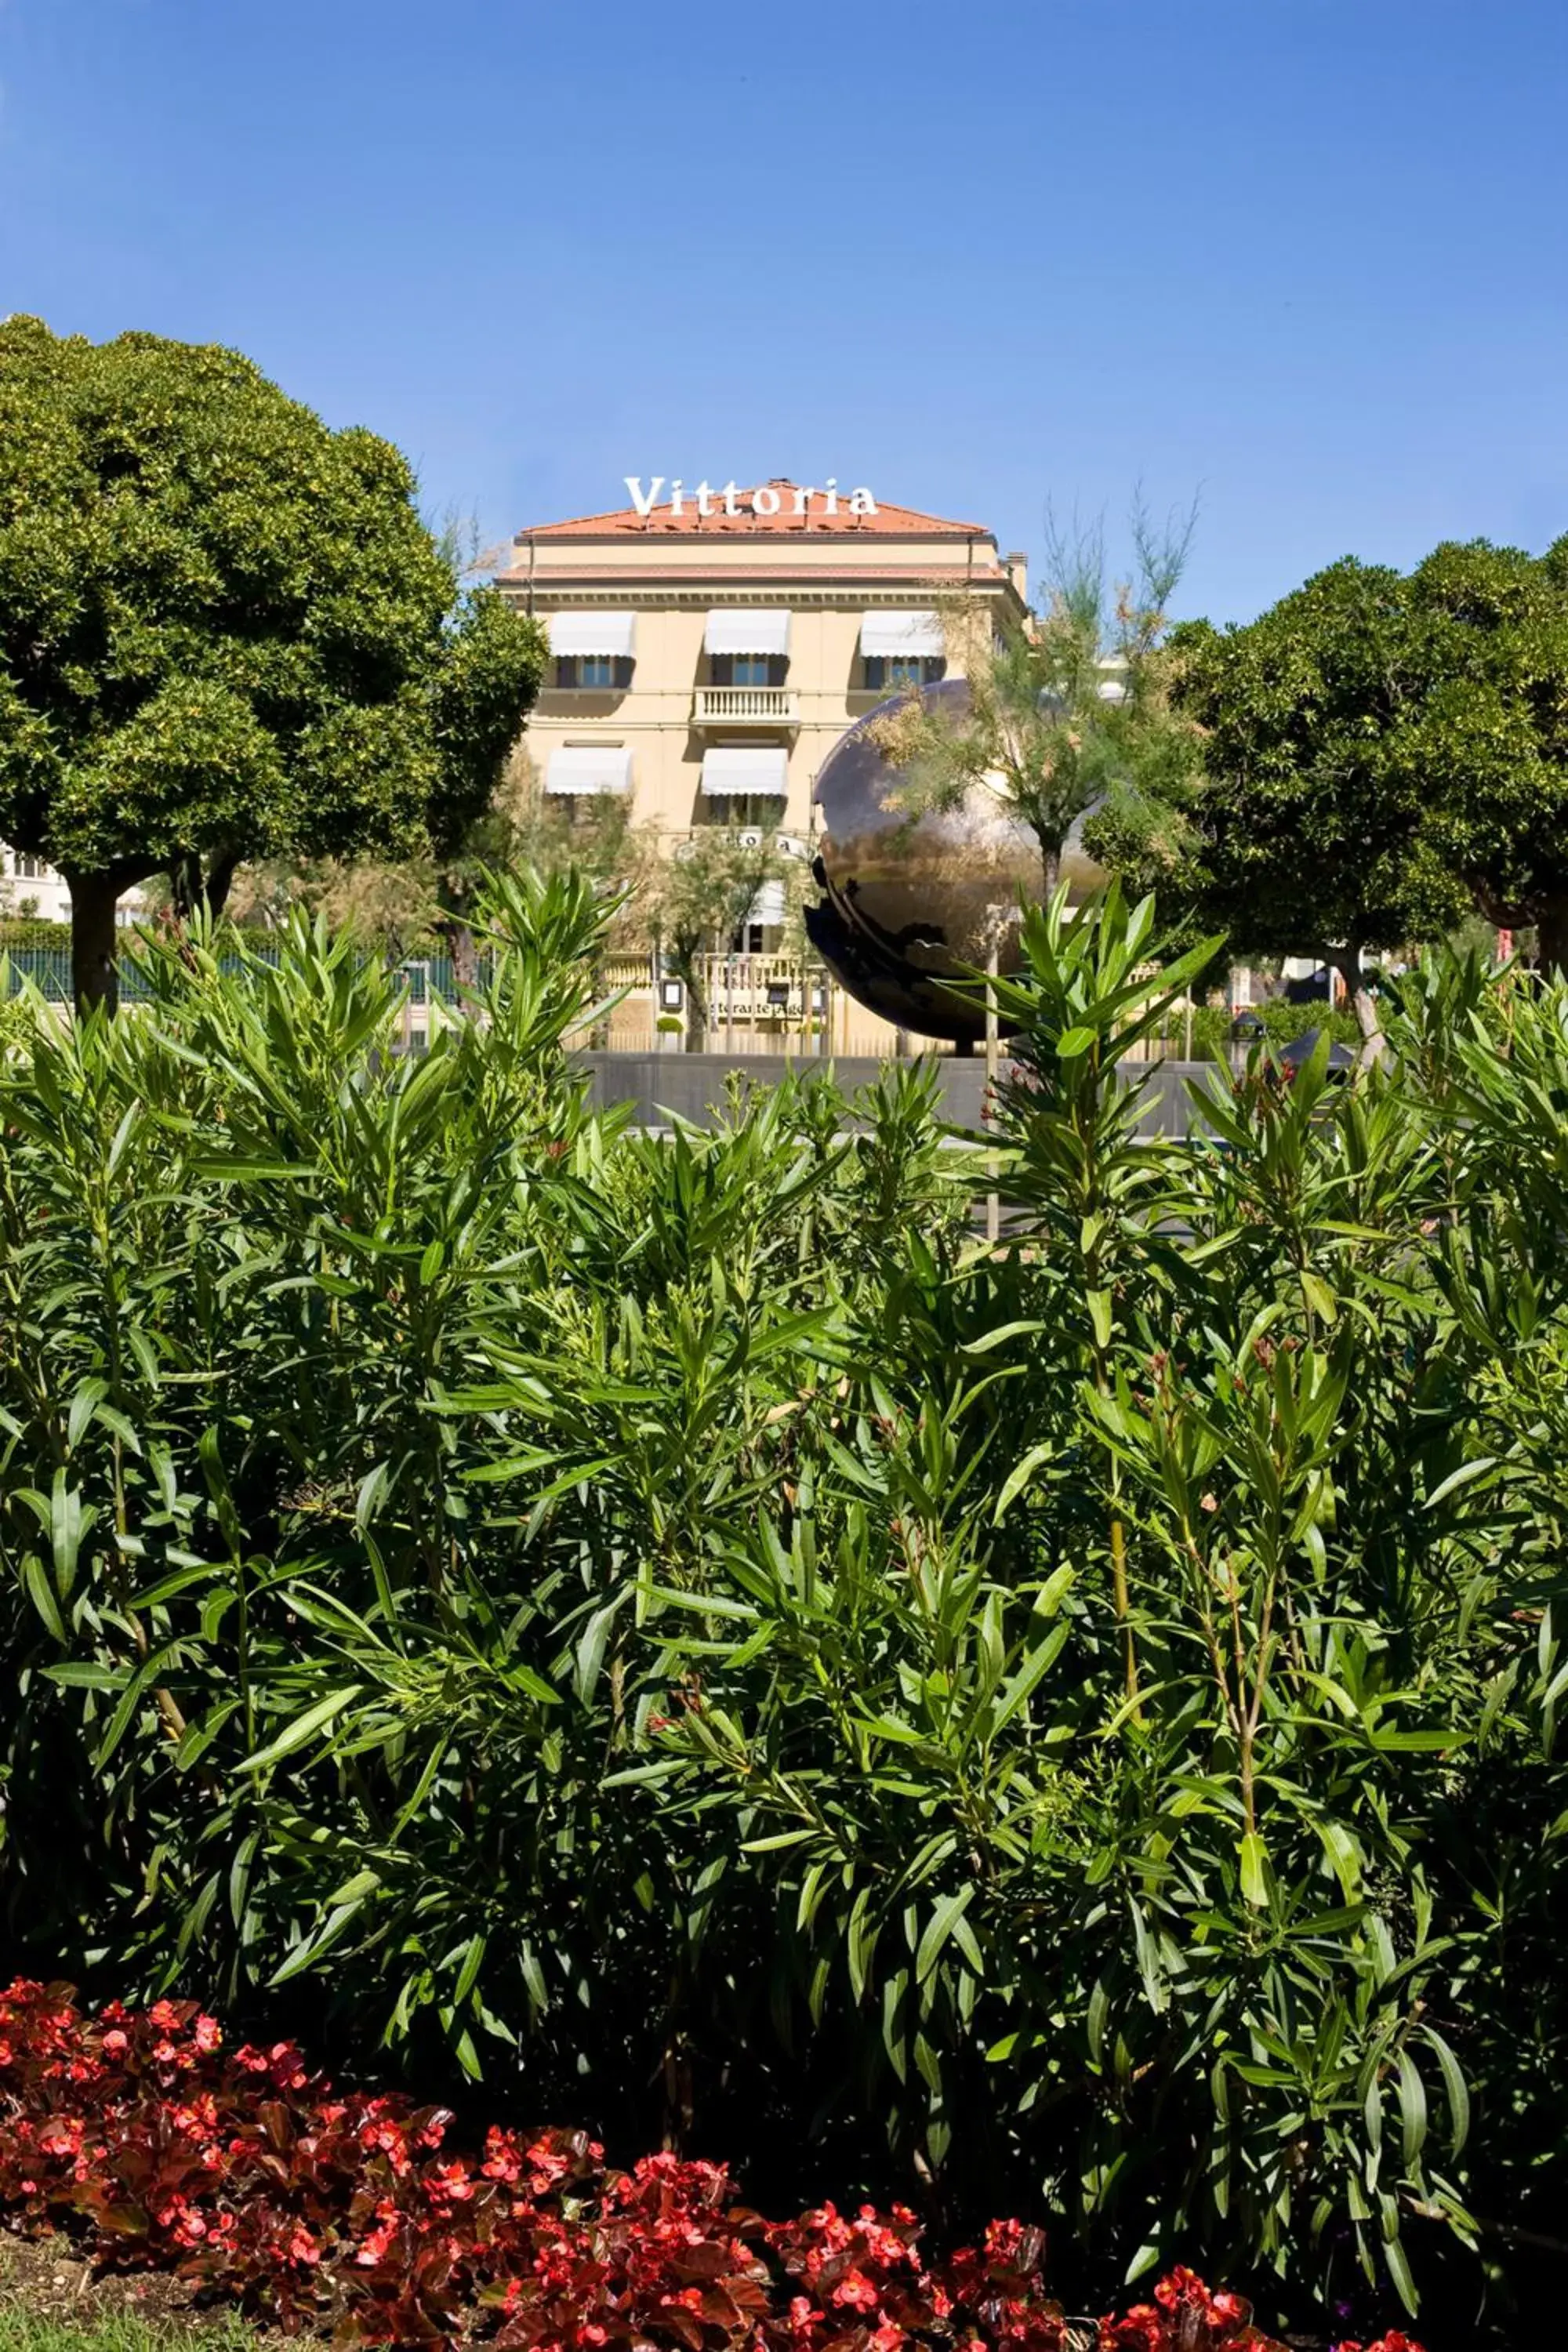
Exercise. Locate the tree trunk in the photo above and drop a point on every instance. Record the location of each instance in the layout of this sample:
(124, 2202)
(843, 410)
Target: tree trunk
(220, 881)
(190, 889)
(1551, 937)
(463, 948)
(184, 886)
(465, 959)
(1363, 1004)
(95, 976)
(686, 963)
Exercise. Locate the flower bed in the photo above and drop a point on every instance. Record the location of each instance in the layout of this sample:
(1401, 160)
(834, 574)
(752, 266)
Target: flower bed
(243, 2172)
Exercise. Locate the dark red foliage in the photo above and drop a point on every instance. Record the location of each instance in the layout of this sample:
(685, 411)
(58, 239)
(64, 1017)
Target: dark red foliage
(242, 2171)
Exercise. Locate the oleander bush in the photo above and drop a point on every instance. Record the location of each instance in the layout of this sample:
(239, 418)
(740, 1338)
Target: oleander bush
(678, 1628)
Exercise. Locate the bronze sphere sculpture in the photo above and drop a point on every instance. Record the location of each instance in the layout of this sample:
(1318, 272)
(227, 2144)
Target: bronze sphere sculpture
(912, 904)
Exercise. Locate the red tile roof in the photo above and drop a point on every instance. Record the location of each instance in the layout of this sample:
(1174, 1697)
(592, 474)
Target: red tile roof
(888, 522)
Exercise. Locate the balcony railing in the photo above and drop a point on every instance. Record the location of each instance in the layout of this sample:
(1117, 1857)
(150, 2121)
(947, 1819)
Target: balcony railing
(747, 706)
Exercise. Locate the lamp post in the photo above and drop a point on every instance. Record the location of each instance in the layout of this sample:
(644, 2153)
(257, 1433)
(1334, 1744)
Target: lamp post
(996, 917)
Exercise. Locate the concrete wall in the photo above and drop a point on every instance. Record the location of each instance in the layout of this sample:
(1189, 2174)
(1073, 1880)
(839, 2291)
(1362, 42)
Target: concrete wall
(690, 1086)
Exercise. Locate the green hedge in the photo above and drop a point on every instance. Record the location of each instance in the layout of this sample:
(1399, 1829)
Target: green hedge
(33, 931)
(676, 1626)
(1213, 1027)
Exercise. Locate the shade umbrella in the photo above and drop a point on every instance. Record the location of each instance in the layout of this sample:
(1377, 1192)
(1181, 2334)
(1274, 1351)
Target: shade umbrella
(1301, 1049)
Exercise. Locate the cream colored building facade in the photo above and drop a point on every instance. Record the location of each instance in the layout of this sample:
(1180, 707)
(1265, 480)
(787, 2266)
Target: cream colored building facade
(712, 646)
(29, 887)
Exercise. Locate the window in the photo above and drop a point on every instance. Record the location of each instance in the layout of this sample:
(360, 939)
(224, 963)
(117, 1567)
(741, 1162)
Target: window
(606, 673)
(761, 810)
(28, 869)
(758, 812)
(889, 673)
(749, 669)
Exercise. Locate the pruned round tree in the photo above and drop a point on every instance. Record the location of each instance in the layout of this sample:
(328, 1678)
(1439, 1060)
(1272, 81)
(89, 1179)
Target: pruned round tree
(1376, 754)
(1310, 820)
(225, 633)
(1494, 746)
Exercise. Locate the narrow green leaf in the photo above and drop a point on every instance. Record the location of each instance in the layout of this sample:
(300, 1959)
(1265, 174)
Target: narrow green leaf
(1018, 1477)
(1455, 2089)
(940, 1926)
(1000, 1335)
(1398, 2266)
(302, 1729)
(1254, 1869)
(1412, 2109)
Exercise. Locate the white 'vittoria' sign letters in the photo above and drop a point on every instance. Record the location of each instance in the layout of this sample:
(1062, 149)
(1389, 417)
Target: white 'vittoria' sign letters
(767, 499)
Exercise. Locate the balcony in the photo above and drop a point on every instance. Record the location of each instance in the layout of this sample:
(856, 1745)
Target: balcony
(746, 706)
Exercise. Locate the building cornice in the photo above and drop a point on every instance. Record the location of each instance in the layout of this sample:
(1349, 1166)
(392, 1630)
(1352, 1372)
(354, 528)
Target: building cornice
(596, 588)
(848, 534)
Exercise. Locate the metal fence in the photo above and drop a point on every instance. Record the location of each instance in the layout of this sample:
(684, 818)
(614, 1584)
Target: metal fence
(756, 1004)
(48, 970)
(759, 1006)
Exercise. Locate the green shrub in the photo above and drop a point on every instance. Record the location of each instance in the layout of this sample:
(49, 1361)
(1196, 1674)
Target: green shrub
(1067, 1724)
(33, 931)
(1213, 1032)
(1283, 1022)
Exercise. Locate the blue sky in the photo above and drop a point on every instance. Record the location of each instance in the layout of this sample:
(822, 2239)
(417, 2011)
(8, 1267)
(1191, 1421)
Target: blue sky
(1310, 256)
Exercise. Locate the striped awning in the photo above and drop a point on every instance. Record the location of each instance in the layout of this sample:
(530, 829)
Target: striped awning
(589, 768)
(735, 629)
(735, 769)
(890, 633)
(591, 632)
